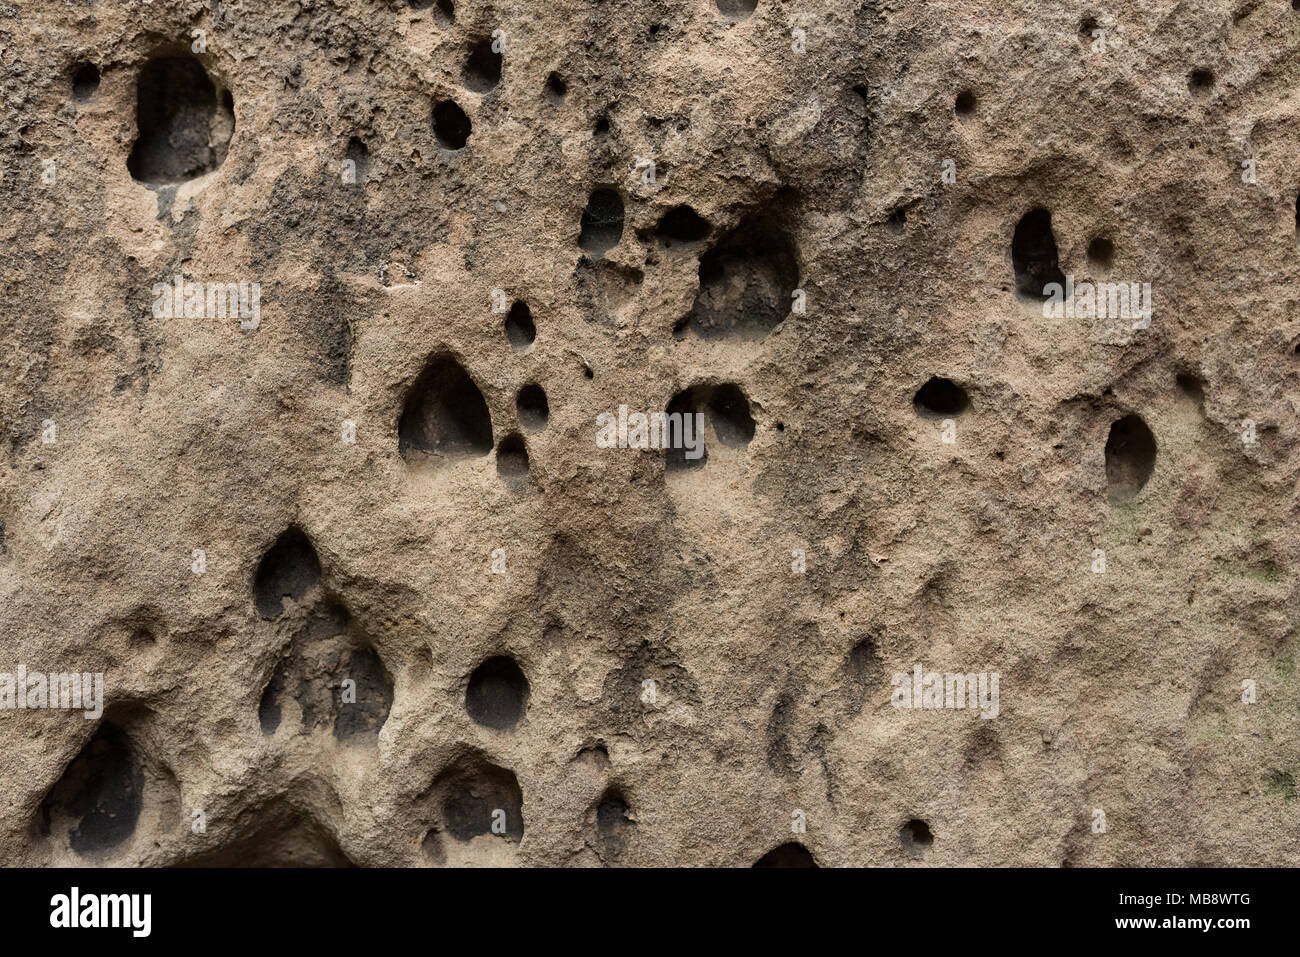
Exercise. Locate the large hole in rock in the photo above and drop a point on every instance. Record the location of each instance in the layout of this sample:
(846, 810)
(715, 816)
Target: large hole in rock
(85, 81)
(184, 127)
(1033, 254)
(482, 70)
(281, 836)
(520, 330)
(445, 417)
(682, 226)
(916, 838)
(726, 411)
(940, 398)
(99, 798)
(333, 676)
(790, 854)
(287, 570)
(746, 284)
(497, 693)
(1130, 458)
(534, 411)
(614, 824)
(476, 798)
(602, 222)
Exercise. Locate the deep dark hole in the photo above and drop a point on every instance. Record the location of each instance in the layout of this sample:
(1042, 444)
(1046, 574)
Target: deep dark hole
(1033, 254)
(556, 88)
(611, 814)
(965, 103)
(684, 403)
(1086, 26)
(288, 569)
(450, 125)
(940, 398)
(482, 70)
(182, 133)
(374, 696)
(512, 458)
(1191, 387)
(736, 10)
(1101, 251)
(916, 837)
(602, 125)
(85, 81)
(1201, 80)
(681, 224)
(791, 854)
(1130, 457)
(446, 13)
(534, 410)
(602, 222)
(897, 220)
(359, 154)
(473, 791)
(746, 283)
(269, 710)
(520, 331)
(101, 790)
(445, 415)
(728, 410)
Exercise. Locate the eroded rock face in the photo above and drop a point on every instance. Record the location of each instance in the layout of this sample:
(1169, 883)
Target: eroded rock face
(309, 327)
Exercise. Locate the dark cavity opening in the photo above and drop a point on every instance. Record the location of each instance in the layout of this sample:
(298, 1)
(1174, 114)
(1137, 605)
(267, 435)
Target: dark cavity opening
(725, 408)
(1033, 254)
(613, 824)
(1130, 458)
(100, 795)
(512, 459)
(373, 689)
(497, 693)
(520, 331)
(602, 222)
(940, 398)
(896, 222)
(682, 225)
(728, 412)
(556, 89)
(473, 792)
(534, 410)
(359, 154)
(289, 569)
(85, 81)
(915, 837)
(746, 284)
(183, 133)
(445, 416)
(1200, 81)
(790, 854)
(1101, 252)
(733, 11)
(451, 127)
(482, 70)
(1191, 387)
(965, 104)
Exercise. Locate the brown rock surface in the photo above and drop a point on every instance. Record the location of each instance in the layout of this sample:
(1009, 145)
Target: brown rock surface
(356, 598)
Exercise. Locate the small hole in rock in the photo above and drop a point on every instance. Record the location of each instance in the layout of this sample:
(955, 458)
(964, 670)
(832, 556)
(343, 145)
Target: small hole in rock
(450, 125)
(289, 569)
(602, 125)
(1130, 457)
(1101, 252)
(360, 157)
(790, 854)
(1086, 27)
(733, 11)
(512, 459)
(445, 415)
(476, 795)
(1033, 254)
(1191, 388)
(534, 411)
(681, 224)
(520, 331)
(602, 222)
(965, 103)
(940, 398)
(897, 220)
(556, 89)
(1200, 81)
(729, 413)
(482, 70)
(916, 837)
(85, 81)
(497, 693)
(100, 795)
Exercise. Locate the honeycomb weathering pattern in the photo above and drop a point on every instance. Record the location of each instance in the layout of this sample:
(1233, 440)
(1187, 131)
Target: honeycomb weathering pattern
(824, 226)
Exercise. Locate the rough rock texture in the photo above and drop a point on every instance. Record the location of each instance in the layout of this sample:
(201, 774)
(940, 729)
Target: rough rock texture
(358, 601)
